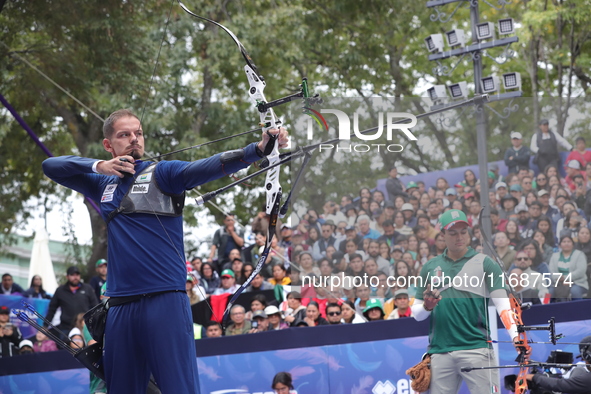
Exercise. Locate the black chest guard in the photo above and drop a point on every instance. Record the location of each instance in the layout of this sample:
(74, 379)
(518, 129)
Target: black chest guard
(145, 196)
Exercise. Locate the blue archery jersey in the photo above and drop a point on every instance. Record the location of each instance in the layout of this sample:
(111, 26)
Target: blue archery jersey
(143, 257)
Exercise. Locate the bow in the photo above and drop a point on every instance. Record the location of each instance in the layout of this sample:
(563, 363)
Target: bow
(514, 316)
(268, 120)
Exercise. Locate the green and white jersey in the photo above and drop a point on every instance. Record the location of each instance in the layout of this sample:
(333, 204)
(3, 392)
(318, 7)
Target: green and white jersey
(459, 321)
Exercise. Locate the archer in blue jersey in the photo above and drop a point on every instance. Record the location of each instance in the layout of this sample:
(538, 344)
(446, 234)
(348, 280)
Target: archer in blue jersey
(152, 333)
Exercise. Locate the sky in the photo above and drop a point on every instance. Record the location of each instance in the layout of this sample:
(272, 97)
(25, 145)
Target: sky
(56, 220)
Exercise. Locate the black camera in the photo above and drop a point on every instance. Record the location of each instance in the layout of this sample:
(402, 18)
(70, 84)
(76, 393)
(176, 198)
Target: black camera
(560, 357)
(255, 324)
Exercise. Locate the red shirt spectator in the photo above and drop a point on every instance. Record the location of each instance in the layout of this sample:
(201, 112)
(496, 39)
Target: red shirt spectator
(580, 153)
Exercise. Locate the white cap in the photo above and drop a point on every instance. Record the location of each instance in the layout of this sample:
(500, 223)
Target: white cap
(271, 310)
(516, 134)
(574, 164)
(407, 207)
(74, 331)
(500, 184)
(25, 342)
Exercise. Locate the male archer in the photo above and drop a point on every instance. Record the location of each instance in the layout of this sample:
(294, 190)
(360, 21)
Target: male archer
(459, 335)
(142, 204)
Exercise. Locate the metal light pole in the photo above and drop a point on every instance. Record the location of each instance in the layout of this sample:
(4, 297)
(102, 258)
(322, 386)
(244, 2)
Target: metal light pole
(476, 50)
(481, 131)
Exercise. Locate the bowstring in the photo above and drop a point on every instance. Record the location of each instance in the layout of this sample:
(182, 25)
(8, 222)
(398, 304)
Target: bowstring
(484, 240)
(178, 253)
(157, 61)
(183, 260)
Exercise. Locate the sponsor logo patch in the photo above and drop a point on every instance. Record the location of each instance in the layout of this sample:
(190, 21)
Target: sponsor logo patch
(144, 178)
(141, 189)
(110, 189)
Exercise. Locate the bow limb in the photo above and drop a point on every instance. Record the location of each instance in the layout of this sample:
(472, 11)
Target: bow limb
(243, 51)
(514, 316)
(262, 259)
(510, 317)
(522, 346)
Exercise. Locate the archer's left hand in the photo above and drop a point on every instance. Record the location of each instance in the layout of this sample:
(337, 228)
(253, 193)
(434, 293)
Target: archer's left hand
(518, 345)
(282, 139)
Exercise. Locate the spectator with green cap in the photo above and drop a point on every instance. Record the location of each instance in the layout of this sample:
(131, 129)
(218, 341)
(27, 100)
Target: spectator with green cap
(459, 333)
(192, 294)
(410, 186)
(228, 283)
(517, 191)
(491, 179)
(99, 280)
(373, 310)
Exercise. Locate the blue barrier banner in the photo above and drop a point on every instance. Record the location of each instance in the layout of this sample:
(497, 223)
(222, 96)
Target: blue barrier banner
(72, 381)
(16, 302)
(362, 367)
(361, 358)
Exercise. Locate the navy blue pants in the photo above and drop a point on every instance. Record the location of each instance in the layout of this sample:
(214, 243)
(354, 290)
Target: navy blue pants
(152, 335)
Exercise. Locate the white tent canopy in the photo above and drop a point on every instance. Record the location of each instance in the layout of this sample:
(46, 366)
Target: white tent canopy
(41, 262)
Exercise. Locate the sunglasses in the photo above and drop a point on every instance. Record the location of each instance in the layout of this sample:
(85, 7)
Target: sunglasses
(522, 258)
(334, 313)
(541, 179)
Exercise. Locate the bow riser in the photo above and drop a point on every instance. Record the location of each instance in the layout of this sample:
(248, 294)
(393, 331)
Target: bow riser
(268, 120)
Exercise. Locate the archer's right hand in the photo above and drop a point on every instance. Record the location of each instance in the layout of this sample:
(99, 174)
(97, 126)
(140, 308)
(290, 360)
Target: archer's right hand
(431, 297)
(116, 166)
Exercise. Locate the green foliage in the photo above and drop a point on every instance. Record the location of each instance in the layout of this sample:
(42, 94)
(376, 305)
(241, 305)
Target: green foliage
(105, 53)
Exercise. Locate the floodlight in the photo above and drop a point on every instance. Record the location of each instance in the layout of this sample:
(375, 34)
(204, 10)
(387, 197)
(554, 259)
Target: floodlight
(437, 92)
(434, 43)
(506, 26)
(485, 31)
(458, 90)
(489, 84)
(512, 80)
(455, 37)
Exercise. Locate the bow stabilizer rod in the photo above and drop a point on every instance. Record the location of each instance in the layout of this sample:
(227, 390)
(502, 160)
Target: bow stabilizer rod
(301, 151)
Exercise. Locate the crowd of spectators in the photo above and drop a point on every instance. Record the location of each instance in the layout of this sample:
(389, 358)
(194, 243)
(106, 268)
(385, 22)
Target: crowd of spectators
(540, 232)
(72, 299)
